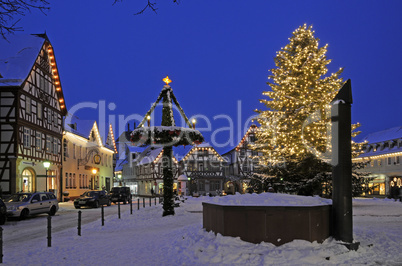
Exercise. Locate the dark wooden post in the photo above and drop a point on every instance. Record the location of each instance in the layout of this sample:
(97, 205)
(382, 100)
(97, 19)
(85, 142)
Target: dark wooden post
(49, 231)
(103, 216)
(79, 223)
(342, 217)
(118, 208)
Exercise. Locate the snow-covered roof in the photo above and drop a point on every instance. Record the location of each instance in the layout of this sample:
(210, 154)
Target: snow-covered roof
(381, 151)
(77, 126)
(119, 164)
(252, 129)
(384, 135)
(149, 155)
(83, 128)
(18, 55)
(382, 142)
(135, 149)
(181, 152)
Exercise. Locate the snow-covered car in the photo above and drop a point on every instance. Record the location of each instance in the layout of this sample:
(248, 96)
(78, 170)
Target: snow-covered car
(93, 198)
(24, 204)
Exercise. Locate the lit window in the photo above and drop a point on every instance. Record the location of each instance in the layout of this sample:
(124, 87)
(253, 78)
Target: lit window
(66, 180)
(65, 148)
(27, 137)
(48, 144)
(379, 162)
(38, 141)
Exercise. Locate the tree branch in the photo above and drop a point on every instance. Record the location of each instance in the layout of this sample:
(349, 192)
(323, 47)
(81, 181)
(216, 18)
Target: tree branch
(10, 10)
(150, 5)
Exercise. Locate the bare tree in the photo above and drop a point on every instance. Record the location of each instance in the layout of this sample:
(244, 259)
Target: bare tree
(150, 5)
(11, 10)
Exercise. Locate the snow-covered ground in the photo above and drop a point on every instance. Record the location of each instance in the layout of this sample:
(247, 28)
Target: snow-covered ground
(147, 238)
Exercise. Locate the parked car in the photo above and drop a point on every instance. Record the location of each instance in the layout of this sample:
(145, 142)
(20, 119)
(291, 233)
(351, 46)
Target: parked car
(93, 198)
(24, 204)
(3, 212)
(120, 194)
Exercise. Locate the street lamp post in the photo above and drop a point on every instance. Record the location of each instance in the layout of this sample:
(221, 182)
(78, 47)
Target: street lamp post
(94, 171)
(46, 164)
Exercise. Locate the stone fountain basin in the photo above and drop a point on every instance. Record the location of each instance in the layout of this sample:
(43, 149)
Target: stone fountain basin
(274, 224)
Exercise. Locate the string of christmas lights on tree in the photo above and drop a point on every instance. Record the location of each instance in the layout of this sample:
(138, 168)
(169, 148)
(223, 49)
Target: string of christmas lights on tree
(298, 121)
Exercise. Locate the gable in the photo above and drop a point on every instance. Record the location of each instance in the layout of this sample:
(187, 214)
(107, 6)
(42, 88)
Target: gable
(29, 62)
(94, 135)
(110, 139)
(251, 130)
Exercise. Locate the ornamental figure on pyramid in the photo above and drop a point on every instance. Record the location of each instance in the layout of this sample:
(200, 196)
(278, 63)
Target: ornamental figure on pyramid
(166, 136)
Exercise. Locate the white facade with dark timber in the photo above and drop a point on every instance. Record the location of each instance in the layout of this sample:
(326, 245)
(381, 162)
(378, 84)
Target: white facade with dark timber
(32, 108)
(241, 162)
(203, 167)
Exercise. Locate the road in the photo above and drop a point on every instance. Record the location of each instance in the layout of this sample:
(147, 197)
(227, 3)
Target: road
(15, 231)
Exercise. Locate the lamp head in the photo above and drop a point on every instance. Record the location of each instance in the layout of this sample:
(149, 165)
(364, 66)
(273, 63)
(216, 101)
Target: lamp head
(46, 164)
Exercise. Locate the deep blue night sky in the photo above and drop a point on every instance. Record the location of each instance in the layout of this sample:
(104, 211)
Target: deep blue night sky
(218, 54)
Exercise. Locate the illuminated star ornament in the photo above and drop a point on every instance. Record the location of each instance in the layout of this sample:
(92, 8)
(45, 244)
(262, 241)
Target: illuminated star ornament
(167, 80)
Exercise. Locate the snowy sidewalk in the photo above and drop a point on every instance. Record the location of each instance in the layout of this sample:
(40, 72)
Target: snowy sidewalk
(147, 238)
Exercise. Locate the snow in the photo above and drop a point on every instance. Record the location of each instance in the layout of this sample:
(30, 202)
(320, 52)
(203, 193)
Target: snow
(269, 199)
(22, 50)
(384, 135)
(147, 238)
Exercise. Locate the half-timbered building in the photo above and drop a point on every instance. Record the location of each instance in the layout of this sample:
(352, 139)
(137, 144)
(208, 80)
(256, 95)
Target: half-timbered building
(143, 172)
(241, 162)
(32, 108)
(87, 160)
(203, 167)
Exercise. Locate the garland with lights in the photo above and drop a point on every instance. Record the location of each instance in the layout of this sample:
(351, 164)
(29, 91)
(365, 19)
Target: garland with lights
(166, 136)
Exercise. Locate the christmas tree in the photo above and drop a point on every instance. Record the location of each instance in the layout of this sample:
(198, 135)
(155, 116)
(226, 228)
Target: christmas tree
(295, 131)
(297, 121)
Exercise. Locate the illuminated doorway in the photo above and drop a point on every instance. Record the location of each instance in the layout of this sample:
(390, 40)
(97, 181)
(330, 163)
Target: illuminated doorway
(27, 180)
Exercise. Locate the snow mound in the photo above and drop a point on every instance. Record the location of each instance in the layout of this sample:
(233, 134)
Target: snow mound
(269, 199)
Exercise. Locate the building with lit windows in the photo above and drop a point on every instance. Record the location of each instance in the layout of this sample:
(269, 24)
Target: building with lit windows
(383, 153)
(32, 108)
(241, 162)
(203, 167)
(87, 160)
